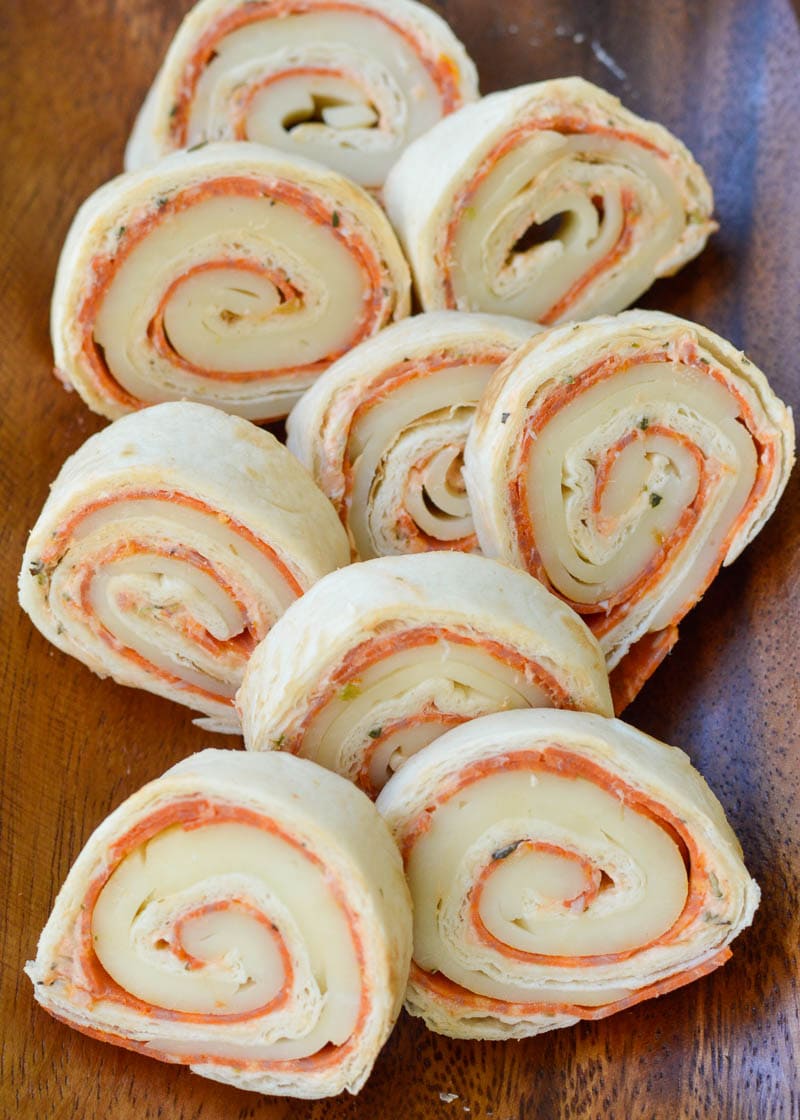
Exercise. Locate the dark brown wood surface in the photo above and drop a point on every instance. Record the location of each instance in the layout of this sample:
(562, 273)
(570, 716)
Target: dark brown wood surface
(726, 77)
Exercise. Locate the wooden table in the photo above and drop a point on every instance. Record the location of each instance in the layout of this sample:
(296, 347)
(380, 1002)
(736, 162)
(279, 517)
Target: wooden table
(726, 77)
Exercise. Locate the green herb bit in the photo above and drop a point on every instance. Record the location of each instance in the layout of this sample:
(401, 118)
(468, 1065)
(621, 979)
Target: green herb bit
(655, 500)
(644, 423)
(569, 379)
(503, 853)
(278, 743)
(504, 416)
(350, 691)
(704, 362)
(174, 111)
(335, 219)
(161, 202)
(713, 882)
(376, 733)
(196, 147)
(121, 231)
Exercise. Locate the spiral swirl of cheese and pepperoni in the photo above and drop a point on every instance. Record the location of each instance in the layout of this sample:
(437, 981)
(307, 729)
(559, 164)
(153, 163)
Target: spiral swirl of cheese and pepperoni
(547, 202)
(245, 915)
(622, 462)
(562, 866)
(382, 657)
(383, 430)
(169, 545)
(232, 275)
(348, 83)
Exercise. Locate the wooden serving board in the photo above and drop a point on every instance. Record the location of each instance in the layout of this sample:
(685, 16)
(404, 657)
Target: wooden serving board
(725, 76)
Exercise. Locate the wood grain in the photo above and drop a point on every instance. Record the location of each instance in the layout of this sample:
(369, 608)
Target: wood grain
(726, 77)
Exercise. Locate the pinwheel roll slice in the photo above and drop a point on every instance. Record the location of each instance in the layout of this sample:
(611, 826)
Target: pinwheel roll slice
(379, 659)
(548, 202)
(170, 543)
(231, 275)
(622, 462)
(348, 84)
(562, 866)
(245, 915)
(383, 430)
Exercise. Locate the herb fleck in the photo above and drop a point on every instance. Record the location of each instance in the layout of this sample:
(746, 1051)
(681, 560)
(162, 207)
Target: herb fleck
(350, 691)
(655, 500)
(335, 219)
(278, 743)
(161, 202)
(503, 853)
(704, 361)
(196, 147)
(713, 882)
(504, 416)
(121, 230)
(644, 423)
(376, 733)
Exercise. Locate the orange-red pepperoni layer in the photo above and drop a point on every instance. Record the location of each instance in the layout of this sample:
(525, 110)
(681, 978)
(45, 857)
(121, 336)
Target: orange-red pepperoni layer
(441, 68)
(377, 649)
(190, 813)
(556, 760)
(375, 312)
(240, 646)
(567, 126)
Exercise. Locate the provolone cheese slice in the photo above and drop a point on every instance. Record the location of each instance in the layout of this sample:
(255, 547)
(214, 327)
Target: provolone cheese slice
(348, 83)
(623, 461)
(562, 867)
(245, 915)
(232, 275)
(383, 430)
(169, 545)
(548, 202)
(379, 659)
